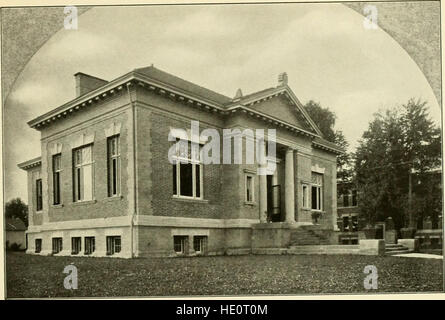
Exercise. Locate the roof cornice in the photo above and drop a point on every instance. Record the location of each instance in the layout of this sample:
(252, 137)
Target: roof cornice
(36, 162)
(81, 102)
(277, 122)
(325, 147)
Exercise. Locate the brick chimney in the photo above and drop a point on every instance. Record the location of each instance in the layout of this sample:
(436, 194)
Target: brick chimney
(86, 83)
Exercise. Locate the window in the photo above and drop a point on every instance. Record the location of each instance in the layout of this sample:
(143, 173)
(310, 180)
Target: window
(199, 243)
(89, 245)
(317, 191)
(39, 199)
(38, 245)
(83, 173)
(113, 245)
(180, 244)
(56, 178)
(187, 172)
(249, 188)
(114, 164)
(305, 195)
(354, 198)
(76, 245)
(345, 200)
(57, 245)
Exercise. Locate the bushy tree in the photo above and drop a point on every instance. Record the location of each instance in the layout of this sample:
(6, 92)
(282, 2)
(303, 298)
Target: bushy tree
(16, 208)
(398, 142)
(325, 120)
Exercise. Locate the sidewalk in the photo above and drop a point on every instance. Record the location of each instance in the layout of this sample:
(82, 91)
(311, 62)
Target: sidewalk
(419, 255)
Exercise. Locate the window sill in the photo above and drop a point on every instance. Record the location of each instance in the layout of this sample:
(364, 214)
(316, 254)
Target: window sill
(40, 211)
(190, 199)
(57, 206)
(83, 203)
(249, 203)
(114, 198)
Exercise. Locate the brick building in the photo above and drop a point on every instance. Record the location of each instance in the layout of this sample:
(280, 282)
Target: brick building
(104, 186)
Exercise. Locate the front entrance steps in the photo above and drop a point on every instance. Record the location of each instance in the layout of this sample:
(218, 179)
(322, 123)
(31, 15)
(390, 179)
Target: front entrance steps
(391, 249)
(308, 235)
(310, 249)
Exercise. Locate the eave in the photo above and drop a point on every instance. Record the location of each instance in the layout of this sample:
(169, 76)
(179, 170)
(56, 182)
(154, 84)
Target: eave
(325, 147)
(36, 162)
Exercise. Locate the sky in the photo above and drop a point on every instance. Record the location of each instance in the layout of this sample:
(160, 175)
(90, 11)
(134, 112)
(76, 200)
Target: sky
(327, 53)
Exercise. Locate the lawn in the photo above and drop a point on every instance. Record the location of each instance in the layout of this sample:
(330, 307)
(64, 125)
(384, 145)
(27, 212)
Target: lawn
(37, 276)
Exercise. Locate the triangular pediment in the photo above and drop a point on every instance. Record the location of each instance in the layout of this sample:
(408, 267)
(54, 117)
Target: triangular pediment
(281, 104)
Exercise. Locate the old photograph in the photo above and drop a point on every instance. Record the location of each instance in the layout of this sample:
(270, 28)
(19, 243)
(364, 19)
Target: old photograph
(222, 149)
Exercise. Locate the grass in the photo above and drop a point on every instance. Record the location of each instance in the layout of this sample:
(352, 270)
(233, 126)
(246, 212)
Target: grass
(37, 276)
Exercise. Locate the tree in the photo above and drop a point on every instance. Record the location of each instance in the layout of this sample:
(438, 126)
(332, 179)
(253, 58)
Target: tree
(16, 208)
(325, 120)
(397, 142)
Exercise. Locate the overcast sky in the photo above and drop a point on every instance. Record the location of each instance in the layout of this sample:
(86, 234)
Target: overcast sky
(328, 54)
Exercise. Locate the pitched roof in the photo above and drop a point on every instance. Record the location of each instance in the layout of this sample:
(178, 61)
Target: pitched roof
(14, 224)
(194, 93)
(182, 84)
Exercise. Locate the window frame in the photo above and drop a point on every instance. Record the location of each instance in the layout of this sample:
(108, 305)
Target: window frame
(111, 174)
(91, 245)
(182, 242)
(178, 160)
(252, 188)
(305, 193)
(57, 245)
(57, 172)
(76, 245)
(202, 240)
(77, 181)
(39, 195)
(319, 205)
(38, 248)
(111, 243)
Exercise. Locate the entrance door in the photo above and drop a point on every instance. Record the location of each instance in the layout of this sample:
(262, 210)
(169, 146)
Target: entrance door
(273, 200)
(380, 232)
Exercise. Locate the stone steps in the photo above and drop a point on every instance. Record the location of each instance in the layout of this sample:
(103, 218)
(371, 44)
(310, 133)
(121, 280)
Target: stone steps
(307, 235)
(392, 249)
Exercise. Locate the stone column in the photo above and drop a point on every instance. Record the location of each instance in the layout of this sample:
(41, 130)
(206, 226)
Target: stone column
(263, 198)
(289, 186)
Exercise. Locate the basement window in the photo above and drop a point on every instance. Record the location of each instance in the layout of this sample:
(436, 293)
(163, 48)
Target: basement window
(57, 245)
(89, 245)
(76, 245)
(38, 245)
(199, 244)
(113, 245)
(180, 244)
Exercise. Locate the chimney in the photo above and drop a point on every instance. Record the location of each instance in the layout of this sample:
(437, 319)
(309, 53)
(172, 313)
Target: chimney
(282, 79)
(86, 83)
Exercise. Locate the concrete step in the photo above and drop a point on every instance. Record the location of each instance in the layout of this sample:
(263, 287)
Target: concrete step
(308, 235)
(390, 253)
(391, 245)
(395, 248)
